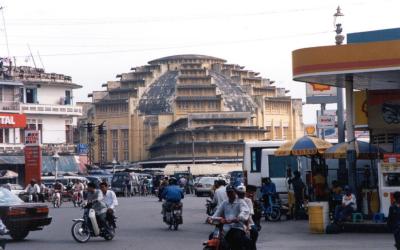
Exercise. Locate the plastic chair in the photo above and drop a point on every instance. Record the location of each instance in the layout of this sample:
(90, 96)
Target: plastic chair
(357, 217)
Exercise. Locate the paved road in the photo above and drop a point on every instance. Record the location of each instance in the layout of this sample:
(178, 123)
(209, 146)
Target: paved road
(140, 227)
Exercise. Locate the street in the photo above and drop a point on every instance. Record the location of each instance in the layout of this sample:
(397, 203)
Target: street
(140, 227)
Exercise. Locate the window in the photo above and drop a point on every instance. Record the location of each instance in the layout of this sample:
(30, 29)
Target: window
(125, 144)
(68, 97)
(114, 140)
(279, 164)
(255, 160)
(31, 95)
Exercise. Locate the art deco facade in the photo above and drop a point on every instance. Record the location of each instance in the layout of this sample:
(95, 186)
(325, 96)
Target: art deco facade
(177, 104)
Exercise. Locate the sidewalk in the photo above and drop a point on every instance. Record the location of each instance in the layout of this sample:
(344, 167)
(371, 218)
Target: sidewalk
(294, 235)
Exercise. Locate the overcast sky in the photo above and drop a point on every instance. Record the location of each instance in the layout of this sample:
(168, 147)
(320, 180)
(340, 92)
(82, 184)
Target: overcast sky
(93, 41)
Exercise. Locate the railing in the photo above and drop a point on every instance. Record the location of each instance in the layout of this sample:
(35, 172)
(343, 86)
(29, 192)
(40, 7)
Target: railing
(10, 106)
(28, 108)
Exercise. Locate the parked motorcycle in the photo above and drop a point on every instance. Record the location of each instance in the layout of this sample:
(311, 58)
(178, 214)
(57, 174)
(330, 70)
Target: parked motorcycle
(211, 207)
(174, 215)
(85, 228)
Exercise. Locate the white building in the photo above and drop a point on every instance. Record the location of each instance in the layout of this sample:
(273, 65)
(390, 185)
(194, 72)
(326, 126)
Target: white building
(46, 101)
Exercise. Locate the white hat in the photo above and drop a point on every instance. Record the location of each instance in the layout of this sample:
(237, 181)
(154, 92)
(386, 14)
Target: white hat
(241, 189)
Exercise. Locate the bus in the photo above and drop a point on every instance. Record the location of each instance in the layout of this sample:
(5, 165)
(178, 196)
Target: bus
(259, 161)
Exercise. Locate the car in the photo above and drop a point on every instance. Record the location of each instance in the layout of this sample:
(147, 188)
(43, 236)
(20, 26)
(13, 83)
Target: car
(119, 180)
(20, 217)
(204, 185)
(14, 188)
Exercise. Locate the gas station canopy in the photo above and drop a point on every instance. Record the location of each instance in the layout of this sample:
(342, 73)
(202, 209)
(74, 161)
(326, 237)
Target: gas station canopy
(372, 65)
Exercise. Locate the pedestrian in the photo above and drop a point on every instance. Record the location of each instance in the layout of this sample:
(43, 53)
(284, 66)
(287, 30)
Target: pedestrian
(394, 219)
(298, 189)
(348, 206)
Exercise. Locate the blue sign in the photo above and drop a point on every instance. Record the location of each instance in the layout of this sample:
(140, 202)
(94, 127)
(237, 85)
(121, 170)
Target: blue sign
(82, 149)
(374, 36)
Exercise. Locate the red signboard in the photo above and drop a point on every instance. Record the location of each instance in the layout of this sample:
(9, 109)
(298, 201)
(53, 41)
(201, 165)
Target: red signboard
(391, 158)
(12, 120)
(33, 163)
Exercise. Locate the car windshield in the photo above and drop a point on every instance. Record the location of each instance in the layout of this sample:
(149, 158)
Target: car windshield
(207, 180)
(6, 197)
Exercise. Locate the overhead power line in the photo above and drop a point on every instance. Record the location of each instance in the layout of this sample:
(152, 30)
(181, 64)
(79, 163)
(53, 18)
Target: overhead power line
(179, 46)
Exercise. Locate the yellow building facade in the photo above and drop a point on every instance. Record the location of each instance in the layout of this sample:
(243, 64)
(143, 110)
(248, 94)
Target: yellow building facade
(186, 106)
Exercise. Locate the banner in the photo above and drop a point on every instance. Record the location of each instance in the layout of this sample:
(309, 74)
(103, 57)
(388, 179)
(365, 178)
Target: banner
(384, 109)
(360, 109)
(319, 93)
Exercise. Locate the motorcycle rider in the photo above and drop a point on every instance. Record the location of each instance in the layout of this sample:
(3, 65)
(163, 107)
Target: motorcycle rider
(34, 190)
(172, 194)
(251, 226)
(58, 188)
(110, 199)
(95, 198)
(236, 213)
(268, 189)
(78, 187)
(220, 193)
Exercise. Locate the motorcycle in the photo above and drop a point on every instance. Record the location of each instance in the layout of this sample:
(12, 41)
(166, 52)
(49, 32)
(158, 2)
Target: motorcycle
(173, 216)
(85, 228)
(217, 240)
(77, 199)
(57, 200)
(273, 211)
(211, 207)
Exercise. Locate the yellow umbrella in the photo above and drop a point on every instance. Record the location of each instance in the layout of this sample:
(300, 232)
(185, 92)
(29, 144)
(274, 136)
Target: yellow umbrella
(305, 145)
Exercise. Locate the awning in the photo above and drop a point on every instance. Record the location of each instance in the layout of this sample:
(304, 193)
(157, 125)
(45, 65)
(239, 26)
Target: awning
(66, 163)
(203, 169)
(11, 83)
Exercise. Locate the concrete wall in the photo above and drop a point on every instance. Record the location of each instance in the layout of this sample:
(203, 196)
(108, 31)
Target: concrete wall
(53, 130)
(51, 95)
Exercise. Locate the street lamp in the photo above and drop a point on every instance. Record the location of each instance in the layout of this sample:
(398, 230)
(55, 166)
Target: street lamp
(339, 38)
(114, 162)
(56, 157)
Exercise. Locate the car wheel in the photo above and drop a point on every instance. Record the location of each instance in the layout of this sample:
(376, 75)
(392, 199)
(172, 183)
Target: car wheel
(19, 235)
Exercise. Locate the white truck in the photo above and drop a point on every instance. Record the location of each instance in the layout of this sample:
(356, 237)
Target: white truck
(259, 161)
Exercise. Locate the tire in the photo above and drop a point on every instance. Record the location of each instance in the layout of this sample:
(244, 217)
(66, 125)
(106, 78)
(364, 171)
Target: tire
(19, 235)
(76, 228)
(176, 225)
(275, 215)
(208, 248)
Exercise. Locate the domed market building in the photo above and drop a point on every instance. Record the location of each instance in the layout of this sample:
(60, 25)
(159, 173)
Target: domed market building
(181, 108)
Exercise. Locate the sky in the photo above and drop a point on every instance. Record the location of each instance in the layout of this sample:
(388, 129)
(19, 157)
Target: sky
(93, 41)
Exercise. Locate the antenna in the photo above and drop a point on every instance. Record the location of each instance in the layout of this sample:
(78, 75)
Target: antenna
(5, 30)
(33, 59)
(40, 59)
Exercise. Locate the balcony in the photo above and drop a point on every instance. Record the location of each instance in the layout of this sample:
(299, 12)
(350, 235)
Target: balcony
(49, 109)
(10, 107)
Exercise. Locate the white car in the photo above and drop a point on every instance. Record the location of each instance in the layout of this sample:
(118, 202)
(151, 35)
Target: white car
(204, 185)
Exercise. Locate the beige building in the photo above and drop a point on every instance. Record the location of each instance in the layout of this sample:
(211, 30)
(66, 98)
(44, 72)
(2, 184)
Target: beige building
(184, 105)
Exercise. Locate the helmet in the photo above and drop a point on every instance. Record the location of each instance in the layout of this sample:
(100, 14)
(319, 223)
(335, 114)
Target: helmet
(241, 189)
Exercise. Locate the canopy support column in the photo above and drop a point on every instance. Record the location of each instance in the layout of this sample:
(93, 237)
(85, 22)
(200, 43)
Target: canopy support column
(351, 150)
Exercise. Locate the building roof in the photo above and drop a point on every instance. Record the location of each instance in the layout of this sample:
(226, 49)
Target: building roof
(186, 57)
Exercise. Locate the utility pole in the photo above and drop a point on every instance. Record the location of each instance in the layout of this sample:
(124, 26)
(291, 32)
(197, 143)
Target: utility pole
(90, 140)
(101, 132)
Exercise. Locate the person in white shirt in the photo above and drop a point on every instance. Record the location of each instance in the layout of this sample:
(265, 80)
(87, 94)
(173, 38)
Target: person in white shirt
(349, 205)
(220, 193)
(110, 199)
(34, 190)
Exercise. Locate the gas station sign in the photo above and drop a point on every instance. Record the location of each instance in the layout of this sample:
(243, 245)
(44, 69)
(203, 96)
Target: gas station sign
(33, 156)
(12, 120)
